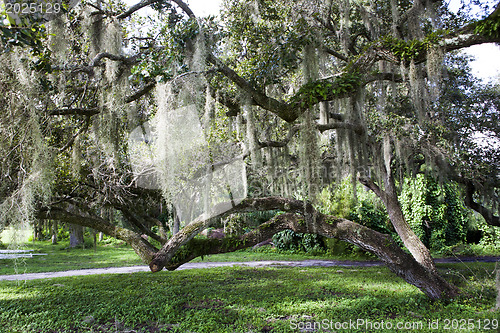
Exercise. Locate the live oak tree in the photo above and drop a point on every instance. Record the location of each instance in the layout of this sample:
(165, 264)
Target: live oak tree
(304, 92)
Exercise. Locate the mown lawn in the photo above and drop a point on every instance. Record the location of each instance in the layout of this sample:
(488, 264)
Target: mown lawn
(279, 299)
(60, 258)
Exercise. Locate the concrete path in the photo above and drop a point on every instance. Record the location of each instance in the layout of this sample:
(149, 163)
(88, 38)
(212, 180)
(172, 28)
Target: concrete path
(134, 269)
(194, 265)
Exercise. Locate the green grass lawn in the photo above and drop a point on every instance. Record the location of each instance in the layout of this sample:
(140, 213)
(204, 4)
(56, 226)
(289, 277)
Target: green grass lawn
(280, 299)
(60, 258)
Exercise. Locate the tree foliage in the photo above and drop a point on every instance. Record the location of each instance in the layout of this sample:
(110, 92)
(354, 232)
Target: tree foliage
(436, 212)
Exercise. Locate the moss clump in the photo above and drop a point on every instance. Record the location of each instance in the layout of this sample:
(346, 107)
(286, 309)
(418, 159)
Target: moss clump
(199, 247)
(231, 243)
(489, 27)
(314, 92)
(411, 49)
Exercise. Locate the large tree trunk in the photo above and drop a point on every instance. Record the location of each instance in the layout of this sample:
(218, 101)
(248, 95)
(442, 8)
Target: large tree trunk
(416, 247)
(299, 217)
(75, 235)
(411, 241)
(389, 197)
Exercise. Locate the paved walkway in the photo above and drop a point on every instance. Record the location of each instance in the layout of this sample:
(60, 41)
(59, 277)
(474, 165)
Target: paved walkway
(193, 265)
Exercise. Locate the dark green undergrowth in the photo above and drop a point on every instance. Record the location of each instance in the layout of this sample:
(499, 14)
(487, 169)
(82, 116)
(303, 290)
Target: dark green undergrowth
(279, 299)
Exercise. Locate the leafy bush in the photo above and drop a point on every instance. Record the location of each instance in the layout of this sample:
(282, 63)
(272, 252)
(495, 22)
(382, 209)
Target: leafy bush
(371, 215)
(435, 212)
(336, 247)
(288, 240)
(363, 207)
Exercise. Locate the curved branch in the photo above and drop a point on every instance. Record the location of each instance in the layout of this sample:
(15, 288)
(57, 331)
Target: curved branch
(73, 138)
(135, 8)
(185, 8)
(138, 222)
(71, 215)
(487, 214)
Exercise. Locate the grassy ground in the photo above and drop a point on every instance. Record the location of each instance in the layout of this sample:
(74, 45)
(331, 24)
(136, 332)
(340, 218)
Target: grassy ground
(281, 299)
(60, 258)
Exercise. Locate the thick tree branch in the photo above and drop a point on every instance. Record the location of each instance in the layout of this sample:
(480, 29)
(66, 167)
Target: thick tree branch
(71, 215)
(336, 54)
(487, 214)
(456, 42)
(282, 110)
(141, 92)
(135, 8)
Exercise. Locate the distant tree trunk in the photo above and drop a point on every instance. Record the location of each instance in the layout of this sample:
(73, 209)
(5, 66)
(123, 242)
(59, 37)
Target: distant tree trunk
(176, 226)
(94, 235)
(163, 232)
(54, 232)
(497, 267)
(76, 235)
(37, 231)
(101, 236)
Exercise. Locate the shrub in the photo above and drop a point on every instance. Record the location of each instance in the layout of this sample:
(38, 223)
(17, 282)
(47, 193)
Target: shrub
(435, 212)
(288, 240)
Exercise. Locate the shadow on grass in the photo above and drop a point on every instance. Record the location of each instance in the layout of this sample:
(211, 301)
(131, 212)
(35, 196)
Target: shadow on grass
(224, 300)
